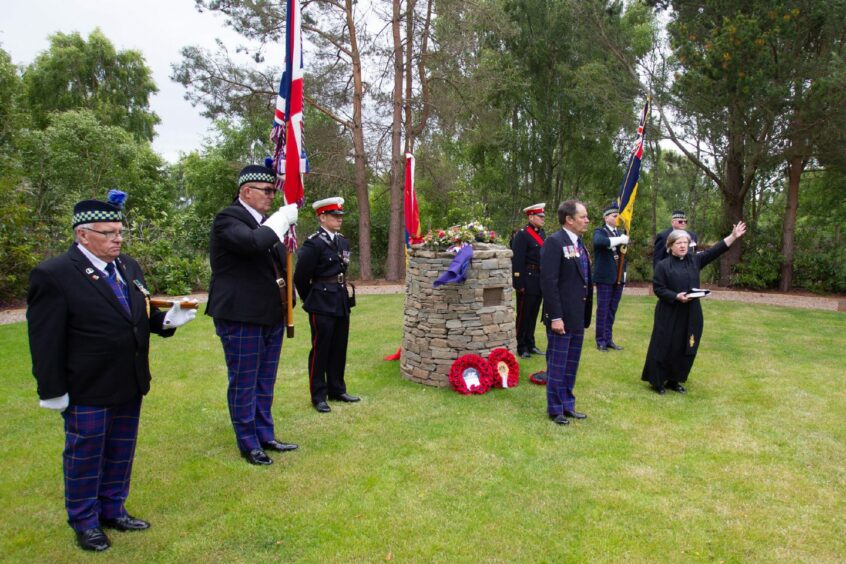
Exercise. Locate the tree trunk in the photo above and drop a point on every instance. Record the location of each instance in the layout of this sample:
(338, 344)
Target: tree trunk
(794, 173)
(394, 263)
(733, 196)
(359, 158)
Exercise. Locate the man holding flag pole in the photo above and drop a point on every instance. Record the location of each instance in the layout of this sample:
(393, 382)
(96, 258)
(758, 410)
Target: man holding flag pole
(610, 243)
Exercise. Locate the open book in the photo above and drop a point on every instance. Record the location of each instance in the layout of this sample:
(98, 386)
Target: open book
(697, 293)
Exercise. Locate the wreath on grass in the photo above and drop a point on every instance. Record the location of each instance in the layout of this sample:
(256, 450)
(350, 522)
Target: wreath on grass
(505, 368)
(538, 378)
(471, 374)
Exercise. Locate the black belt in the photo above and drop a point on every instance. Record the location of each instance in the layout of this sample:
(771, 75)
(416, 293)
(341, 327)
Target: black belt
(337, 279)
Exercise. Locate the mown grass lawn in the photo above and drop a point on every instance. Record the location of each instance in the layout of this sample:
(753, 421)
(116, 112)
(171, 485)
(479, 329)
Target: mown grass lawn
(750, 465)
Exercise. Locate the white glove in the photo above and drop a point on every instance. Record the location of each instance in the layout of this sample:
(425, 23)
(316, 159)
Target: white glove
(59, 404)
(621, 240)
(282, 220)
(177, 317)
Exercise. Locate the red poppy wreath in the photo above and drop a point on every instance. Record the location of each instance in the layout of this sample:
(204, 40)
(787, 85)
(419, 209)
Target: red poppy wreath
(505, 368)
(470, 374)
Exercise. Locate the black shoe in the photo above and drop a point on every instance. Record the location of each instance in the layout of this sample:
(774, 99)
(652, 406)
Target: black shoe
(574, 414)
(93, 539)
(525, 354)
(536, 350)
(615, 346)
(125, 523)
(345, 397)
(603, 348)
(676, 387)
(660, 390)
(257, 457)
(559, 419)
(322, 407)
(278, 446)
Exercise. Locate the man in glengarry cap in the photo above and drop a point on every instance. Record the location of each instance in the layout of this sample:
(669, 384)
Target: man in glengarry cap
(89, 320)
(607, 241)
(677, 221)
(248, 305)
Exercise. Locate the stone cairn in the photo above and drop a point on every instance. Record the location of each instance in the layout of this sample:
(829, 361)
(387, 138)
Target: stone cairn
(444, 323)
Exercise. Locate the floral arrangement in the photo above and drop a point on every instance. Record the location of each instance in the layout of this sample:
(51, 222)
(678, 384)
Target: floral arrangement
(457, 236)
(506, 369)
(471, 374)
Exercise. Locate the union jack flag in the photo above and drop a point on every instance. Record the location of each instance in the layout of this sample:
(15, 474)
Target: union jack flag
(289, 159)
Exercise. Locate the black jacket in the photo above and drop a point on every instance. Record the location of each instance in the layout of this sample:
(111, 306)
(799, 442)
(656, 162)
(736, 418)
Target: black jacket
(660, 252)
(319, 263)
(605, 258)
(525, 263)
(83, 342)
(243, 281)
(567, 291)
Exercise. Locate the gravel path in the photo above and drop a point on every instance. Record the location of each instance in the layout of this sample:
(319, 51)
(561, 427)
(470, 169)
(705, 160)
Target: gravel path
(13, 315)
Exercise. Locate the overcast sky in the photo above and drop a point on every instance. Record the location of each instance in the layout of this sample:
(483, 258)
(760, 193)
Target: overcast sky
(156, 28)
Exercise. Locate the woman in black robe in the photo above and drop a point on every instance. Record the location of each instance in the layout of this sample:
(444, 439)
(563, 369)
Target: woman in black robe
(677, 326)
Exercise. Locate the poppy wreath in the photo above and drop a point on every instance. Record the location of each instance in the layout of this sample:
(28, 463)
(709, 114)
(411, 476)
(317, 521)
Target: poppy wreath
(468, 365)
(538, 378)
(505, 368)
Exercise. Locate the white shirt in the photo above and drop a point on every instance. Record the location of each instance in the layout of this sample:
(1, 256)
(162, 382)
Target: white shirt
(573, 237)
(99, 263)
(256, 215)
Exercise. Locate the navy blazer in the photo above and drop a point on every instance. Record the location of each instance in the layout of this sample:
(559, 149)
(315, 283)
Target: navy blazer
(83, 342)
(567, 290)
(320, 259)
(605, 258)
(243, 279)
(525, 262)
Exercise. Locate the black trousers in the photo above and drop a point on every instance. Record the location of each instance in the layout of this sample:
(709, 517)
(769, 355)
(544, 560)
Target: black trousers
(528, 306)
(328, 356)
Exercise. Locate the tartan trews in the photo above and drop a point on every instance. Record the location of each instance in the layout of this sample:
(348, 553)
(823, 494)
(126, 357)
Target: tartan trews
(99, 449)
(607, 299)
(562, 362)
(252, 357)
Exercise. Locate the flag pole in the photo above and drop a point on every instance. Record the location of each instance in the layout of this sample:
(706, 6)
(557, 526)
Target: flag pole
(289, 275)
(289, 158)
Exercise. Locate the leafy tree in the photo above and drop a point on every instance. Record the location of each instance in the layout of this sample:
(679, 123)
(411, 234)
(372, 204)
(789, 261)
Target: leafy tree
(77, 74)
(77, 157)
(542, 102)
(748, 85)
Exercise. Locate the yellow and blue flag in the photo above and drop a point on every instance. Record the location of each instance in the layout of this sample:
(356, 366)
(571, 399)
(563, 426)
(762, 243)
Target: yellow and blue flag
(628, 189)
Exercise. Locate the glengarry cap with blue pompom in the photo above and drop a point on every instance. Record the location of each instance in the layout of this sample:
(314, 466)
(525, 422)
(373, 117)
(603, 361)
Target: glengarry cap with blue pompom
(257, 173)
(96, 211)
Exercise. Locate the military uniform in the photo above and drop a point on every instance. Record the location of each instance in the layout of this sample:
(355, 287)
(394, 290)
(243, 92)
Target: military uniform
(525, 271)
(320, 279)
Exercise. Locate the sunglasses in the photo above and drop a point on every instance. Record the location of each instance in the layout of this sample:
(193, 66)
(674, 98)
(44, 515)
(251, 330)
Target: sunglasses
(267, 191)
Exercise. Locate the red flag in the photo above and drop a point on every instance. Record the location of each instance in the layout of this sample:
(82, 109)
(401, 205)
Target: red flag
(412, 212)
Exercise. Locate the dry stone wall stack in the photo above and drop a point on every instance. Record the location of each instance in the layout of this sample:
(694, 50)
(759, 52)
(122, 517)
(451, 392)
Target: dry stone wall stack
(444, 323)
